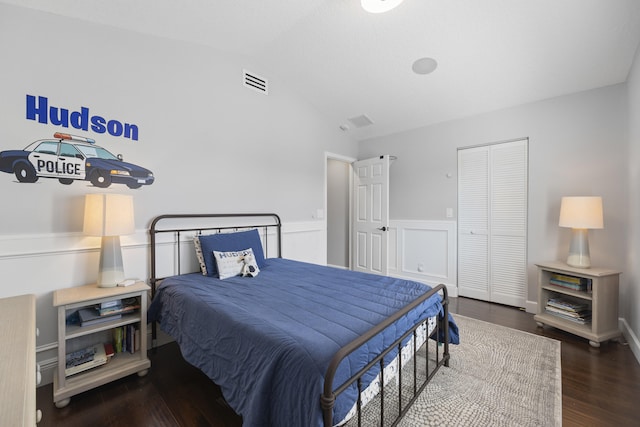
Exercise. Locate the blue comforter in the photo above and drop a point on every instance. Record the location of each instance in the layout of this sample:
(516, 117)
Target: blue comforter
(267, 341)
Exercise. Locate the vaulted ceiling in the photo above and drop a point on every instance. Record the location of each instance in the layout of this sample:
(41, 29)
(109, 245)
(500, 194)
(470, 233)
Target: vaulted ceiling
(491, 54)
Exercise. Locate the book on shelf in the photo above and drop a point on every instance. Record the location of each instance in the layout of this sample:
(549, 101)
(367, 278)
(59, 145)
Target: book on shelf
(108, 349)
(573, 314)
(108, 304)
(582, 284)
(90, 316)
(569, 310)
(564, 304)
(581, 320)
(126, 339)
(124, 306)
(84, 359)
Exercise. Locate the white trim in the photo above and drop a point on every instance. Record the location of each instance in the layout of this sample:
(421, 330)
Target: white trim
(33, 245)
(339, 157)
(631, 337)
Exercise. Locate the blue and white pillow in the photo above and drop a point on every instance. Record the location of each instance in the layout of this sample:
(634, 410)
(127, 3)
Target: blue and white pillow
(236, 263)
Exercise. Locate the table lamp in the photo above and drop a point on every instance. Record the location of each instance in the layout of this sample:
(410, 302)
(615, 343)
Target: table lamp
(580, 214)
(109, 216)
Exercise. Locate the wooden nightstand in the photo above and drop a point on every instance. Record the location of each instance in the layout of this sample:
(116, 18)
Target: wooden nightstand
(600, 300)
(72, 337)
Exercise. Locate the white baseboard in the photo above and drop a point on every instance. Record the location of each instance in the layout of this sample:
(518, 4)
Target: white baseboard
(631, 337)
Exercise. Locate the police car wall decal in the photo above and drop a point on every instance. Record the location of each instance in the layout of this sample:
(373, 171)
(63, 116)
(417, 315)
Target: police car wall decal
(69, 158)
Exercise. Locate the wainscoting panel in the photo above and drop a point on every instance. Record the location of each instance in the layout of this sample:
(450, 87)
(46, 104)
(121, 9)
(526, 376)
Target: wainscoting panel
(424, 251)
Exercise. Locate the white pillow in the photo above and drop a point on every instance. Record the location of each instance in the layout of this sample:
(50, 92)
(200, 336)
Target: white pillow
(236, 263)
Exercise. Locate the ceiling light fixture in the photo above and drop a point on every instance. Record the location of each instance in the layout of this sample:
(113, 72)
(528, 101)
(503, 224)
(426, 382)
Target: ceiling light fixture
(379, 6)
(424, 66)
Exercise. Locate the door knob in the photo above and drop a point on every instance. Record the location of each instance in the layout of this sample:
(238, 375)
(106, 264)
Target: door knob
(383, 228)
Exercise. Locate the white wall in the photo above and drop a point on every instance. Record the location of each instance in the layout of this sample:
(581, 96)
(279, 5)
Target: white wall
(630, 293)
(577, 146)
(213, 145)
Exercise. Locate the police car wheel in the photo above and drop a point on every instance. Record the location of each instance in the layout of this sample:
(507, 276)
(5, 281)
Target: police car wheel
(134, 186)
(25, 173)
(100, 179)
(65, 181)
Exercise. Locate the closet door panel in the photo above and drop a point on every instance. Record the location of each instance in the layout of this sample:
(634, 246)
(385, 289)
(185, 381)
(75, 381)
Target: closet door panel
(473, 223)
(508, 223)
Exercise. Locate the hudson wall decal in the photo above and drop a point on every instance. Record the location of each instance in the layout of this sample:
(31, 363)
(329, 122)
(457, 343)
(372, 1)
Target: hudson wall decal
(39, 109)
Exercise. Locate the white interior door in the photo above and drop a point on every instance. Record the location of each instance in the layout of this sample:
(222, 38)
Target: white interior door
(371, 215)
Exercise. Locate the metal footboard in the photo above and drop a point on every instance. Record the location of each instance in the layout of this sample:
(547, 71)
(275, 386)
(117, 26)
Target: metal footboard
(328, 398)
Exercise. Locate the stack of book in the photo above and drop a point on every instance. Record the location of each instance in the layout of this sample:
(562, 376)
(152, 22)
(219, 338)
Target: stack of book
(571, 282)
(86, 358)
(107, 311)
(569, 310)
(126, 339)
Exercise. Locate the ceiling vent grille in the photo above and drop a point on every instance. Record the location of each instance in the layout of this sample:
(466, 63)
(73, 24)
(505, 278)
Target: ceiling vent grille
(361, 121)
(255, 82)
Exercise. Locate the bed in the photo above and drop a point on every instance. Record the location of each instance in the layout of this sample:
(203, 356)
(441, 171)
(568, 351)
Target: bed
(297, 344)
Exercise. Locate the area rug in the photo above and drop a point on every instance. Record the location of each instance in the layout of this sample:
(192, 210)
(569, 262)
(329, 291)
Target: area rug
(497, 376)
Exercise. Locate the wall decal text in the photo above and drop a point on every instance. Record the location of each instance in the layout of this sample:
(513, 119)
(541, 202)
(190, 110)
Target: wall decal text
(38, 109)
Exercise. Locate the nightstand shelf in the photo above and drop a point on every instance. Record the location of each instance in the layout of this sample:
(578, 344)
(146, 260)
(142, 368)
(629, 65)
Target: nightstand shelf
(74, 337)
(601, 301)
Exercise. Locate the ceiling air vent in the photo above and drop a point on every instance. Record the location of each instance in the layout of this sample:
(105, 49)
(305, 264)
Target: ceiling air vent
(361, 121)
(257, 83)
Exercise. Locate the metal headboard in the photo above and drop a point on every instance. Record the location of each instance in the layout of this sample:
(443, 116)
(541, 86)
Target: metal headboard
(178, 224)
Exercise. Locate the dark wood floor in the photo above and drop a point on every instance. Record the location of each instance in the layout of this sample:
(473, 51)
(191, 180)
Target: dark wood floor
(600, 387)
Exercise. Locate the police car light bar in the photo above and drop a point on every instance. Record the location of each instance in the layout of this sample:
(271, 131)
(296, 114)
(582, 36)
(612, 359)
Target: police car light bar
(61, 136)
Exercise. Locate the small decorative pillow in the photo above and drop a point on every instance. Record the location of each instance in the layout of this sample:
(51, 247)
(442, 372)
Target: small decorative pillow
(236, 263)
(199, 255)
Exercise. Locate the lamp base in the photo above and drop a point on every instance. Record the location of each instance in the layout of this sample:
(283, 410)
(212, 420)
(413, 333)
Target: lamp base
(111, 271)
(579, 250)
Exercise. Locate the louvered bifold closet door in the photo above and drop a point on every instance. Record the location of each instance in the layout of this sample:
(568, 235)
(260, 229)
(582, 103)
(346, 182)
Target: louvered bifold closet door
(508, 223)
(473, 223)
(492, 222)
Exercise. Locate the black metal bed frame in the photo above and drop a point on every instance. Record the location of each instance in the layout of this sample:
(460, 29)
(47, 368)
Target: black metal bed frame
(268, 221)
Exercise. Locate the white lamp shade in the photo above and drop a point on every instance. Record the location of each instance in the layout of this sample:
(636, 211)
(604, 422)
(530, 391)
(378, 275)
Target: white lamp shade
(379, 6)
(108, 215)
(581, 212)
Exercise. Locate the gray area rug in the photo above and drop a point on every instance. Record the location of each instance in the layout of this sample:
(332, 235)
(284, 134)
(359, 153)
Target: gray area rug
(497, 376)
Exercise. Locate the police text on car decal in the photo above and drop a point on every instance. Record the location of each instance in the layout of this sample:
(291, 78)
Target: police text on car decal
(39, 109)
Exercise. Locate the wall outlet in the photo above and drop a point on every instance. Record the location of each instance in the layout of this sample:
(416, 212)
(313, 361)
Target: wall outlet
(449, 212)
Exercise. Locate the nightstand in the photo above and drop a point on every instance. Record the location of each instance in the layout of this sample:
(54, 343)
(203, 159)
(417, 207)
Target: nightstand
(73, 337)
(598, 301)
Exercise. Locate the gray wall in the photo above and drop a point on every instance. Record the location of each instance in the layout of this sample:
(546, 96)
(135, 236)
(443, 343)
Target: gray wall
(577, 146)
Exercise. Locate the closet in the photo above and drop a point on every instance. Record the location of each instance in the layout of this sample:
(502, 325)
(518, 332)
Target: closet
(492, 222)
